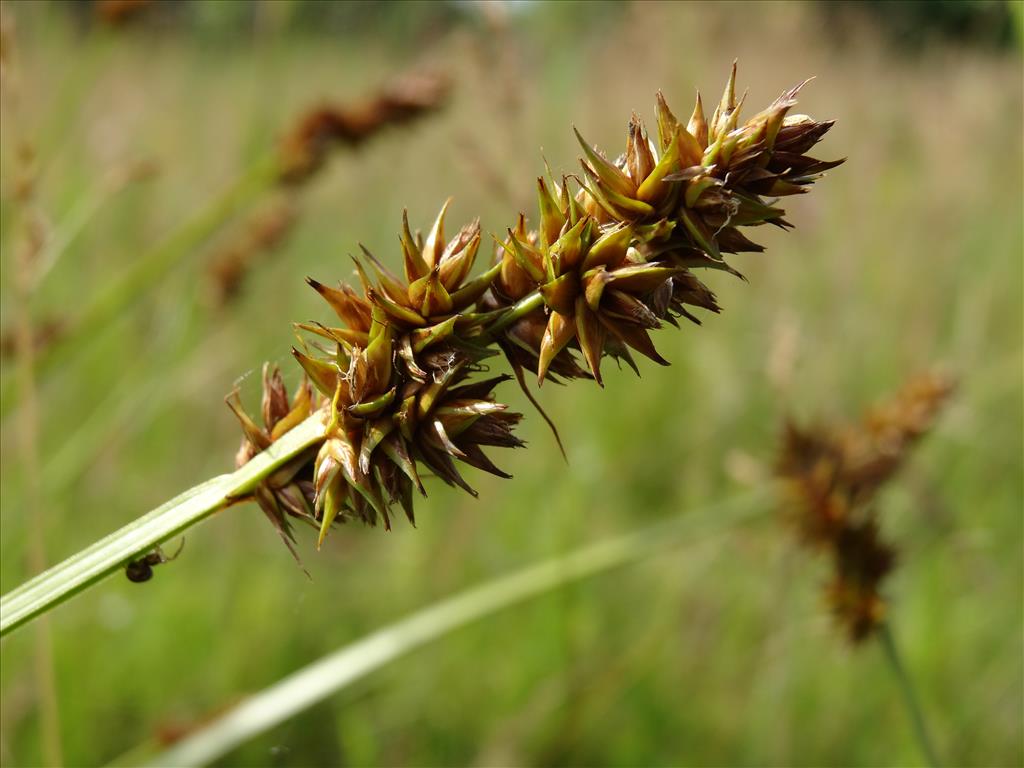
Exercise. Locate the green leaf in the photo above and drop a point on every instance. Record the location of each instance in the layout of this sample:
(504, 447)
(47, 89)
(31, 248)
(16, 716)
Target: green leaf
(334, 672)
(80, 571)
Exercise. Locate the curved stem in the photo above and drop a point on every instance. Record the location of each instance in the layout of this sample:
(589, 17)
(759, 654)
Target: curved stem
(78, 572)
(332, 673)
(910, 697)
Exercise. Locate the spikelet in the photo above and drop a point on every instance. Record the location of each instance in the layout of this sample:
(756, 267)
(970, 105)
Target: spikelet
(46, 332)
(119, 12)
(305, 148)
(263, 232)
(830, 477)
(289, 491)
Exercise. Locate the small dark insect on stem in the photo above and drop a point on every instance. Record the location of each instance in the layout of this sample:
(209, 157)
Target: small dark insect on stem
(141, 570)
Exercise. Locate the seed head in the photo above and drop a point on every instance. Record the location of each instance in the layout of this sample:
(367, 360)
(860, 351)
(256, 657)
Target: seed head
(831, 476)
(611, 259)
(305, 148)
(614, 259)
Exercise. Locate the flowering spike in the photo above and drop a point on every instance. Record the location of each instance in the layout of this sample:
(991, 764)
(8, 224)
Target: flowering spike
(830, 476)
(612, 258)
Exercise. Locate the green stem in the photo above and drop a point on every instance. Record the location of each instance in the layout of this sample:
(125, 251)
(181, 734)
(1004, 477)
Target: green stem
(330, 674)
(910, 697)
(520, 309)
(78, 572)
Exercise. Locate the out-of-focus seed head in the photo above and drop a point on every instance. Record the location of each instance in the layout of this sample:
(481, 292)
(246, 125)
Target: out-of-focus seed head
(830, 477)
(305, 148)
(232, 262)
(862, 562)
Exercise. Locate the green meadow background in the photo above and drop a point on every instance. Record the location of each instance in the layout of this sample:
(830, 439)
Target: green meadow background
(718, 652)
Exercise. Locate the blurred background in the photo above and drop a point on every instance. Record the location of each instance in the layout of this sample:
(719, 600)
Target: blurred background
(124, 122)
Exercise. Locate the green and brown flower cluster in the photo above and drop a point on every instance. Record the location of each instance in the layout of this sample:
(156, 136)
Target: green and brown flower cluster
(831, 477)
(611, 257)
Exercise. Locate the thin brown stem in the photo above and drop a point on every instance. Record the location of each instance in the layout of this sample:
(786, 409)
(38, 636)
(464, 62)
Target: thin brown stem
(28, 449)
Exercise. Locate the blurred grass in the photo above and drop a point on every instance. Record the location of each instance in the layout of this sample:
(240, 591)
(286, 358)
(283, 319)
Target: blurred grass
(719, 654)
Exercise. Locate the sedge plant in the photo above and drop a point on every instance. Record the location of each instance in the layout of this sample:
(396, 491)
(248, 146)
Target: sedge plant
(831, 477)
(397, 389)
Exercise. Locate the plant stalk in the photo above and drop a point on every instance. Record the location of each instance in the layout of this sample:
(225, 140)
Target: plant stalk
(520, 309)
(910, 697)
(28, 449)
(332, 673)
(47, 590)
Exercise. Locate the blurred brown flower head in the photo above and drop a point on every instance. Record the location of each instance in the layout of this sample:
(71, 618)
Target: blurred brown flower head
(118, 12)
(305, 148)
(263, 232)
(830, 478)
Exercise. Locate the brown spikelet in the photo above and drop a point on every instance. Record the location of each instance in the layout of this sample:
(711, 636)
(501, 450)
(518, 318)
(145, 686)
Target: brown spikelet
(288, 493)
(115, 13)
(831, 475)
(862, 561)
(46, 332)
(263, 232)
(306, 146)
